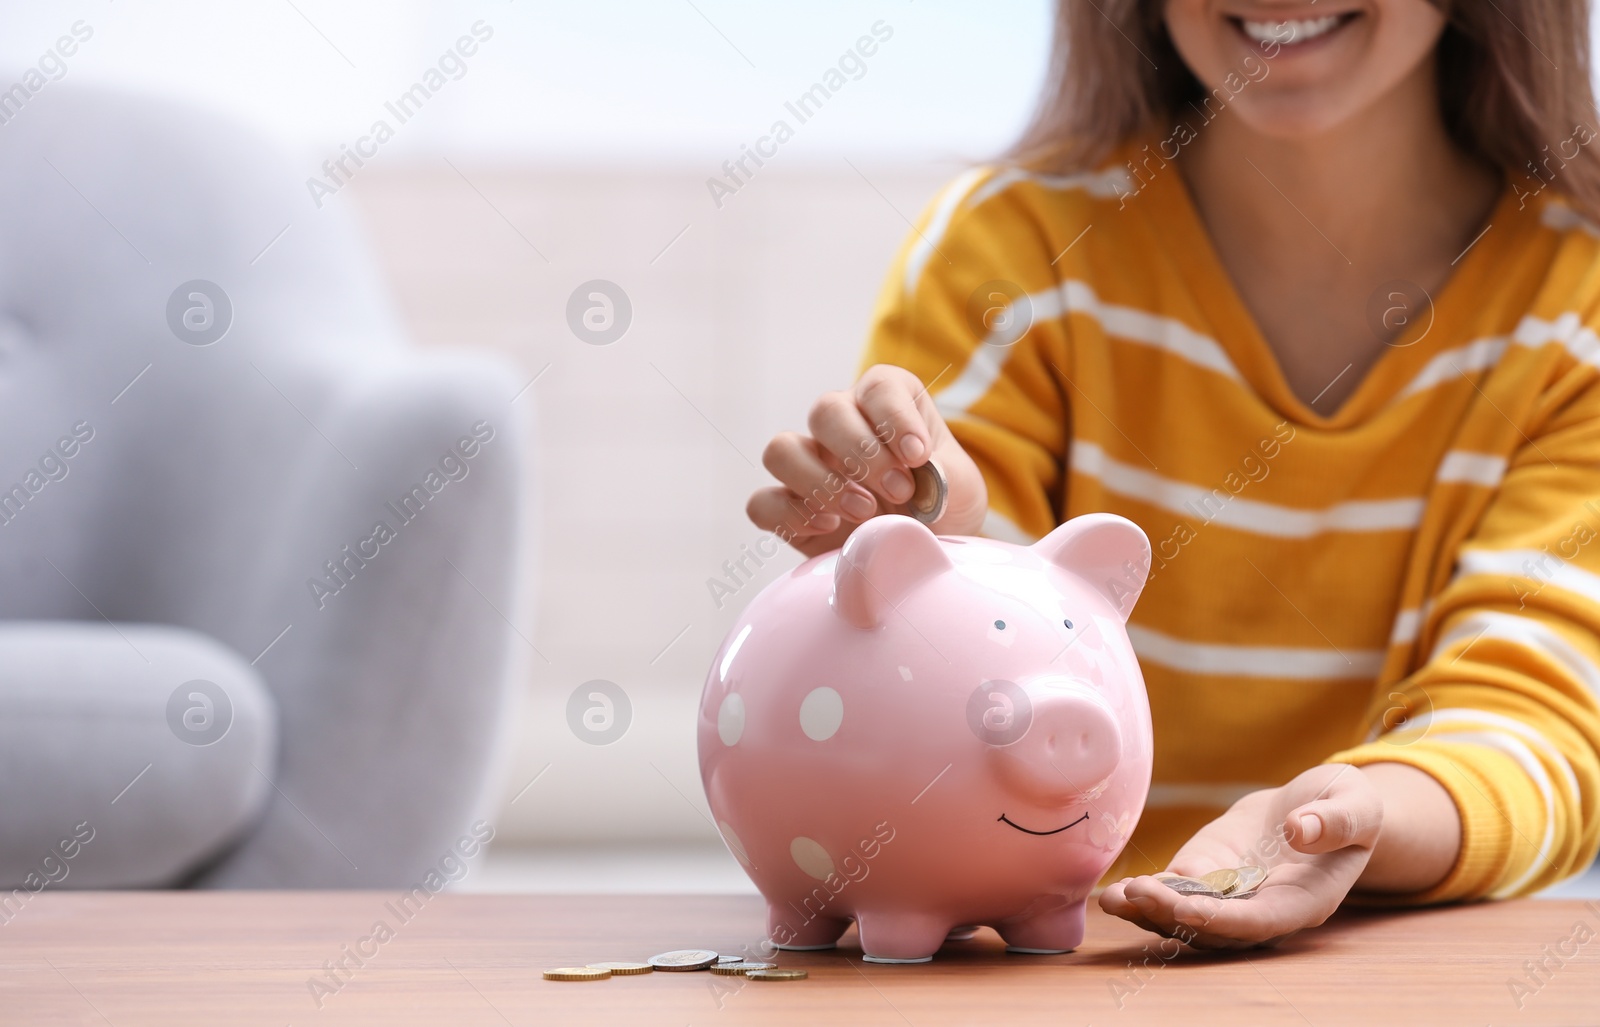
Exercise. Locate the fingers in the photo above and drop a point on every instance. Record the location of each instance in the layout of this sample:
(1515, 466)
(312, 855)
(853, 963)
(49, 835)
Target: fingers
(1113, 901)
(1326, 825)
(808, 472)
(896, 403)
(781, 512)
(856, 463)
(844, 433)
(1203, 922)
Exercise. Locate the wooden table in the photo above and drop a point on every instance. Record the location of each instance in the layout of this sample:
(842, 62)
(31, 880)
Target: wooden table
(127, 959)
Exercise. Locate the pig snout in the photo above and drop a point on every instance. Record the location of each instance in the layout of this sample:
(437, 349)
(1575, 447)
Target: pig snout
(1071, 745)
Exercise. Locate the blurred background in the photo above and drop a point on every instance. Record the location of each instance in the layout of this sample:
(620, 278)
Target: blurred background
(577, 144)
(555, 153)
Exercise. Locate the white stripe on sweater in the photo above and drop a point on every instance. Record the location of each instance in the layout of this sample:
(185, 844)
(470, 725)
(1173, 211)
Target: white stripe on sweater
(1253, 660)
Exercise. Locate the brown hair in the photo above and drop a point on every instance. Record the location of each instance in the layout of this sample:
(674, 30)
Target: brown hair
(1514, 87)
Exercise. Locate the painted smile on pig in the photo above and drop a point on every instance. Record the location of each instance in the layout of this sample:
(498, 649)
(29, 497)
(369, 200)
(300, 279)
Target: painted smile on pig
(1058, 830)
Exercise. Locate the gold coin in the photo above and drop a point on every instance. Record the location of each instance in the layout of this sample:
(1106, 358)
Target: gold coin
(623, 969)
(931, 493)
(683, 959)
(777, 974)
(576, 973)
(1222, 881)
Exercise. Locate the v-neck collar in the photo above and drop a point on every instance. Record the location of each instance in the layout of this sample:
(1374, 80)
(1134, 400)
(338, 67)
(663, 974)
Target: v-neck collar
(1175, 219)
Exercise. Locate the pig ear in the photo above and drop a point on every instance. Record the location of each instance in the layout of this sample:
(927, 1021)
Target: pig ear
(882, 561)
(1110, 553)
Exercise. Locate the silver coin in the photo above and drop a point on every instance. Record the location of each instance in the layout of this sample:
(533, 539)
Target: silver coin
(931, 494)
(683, 959)
(725, 960)
(1188, 885)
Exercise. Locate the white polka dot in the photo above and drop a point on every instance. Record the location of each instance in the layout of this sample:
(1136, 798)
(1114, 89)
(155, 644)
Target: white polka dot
(812, 858)
(735, 846)
(821, 713)
(730, 719)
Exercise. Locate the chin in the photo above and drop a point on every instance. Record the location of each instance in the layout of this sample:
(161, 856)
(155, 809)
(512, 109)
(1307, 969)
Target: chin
(1292, 69)
(1299, 116)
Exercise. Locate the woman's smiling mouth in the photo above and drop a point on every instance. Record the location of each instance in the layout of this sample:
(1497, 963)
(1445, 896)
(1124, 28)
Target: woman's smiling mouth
(1290, 33)
(1058, 830)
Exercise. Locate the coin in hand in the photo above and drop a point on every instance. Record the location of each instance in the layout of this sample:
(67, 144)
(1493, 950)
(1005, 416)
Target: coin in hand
(1227, 883)
(931, 495)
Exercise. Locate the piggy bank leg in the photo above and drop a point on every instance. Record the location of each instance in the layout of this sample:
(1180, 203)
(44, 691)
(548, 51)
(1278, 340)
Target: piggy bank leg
(1048, 933)
(820, 932)
(900, 937)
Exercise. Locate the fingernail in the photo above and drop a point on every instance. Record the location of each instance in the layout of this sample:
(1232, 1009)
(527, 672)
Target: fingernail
(824, 522)
(1310, 828)
(860, 507)
(911, 448)
(1144, 902)
(897, 485)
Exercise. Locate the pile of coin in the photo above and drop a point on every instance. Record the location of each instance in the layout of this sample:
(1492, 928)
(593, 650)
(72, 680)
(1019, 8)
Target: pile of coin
(678, 961)
(1235, 883)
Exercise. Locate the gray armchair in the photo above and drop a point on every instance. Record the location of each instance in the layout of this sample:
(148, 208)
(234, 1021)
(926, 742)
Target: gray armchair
(255, 588)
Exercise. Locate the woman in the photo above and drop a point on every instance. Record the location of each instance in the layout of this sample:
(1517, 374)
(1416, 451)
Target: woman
(1305, 290)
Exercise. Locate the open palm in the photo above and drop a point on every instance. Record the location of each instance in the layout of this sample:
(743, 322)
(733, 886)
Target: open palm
(1314, 835)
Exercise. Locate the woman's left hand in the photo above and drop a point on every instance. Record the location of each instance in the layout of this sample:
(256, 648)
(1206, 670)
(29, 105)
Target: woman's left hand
(1314, 835)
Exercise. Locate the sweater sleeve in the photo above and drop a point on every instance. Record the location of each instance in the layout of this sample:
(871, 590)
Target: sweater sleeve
(1503, 712)
(965, 308)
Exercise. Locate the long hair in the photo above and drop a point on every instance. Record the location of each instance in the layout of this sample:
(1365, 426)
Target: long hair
(1514, 88)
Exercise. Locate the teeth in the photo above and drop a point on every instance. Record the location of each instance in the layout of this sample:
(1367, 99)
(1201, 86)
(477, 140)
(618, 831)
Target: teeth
(1287, 33)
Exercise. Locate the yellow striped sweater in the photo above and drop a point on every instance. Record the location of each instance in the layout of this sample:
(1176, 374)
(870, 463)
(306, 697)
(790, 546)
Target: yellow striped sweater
(1415, 578)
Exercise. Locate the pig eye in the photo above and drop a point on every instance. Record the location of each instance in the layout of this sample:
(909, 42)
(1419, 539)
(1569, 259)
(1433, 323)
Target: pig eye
(1000, 624)
(1068, 623)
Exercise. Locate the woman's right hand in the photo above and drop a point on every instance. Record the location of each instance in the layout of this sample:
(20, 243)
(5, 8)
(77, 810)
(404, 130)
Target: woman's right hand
(856, 464)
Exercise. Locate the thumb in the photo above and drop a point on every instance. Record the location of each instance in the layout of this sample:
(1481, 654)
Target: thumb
(1336, 823)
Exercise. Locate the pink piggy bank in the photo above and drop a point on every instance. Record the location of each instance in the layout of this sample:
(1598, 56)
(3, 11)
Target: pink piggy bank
(924, 734)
